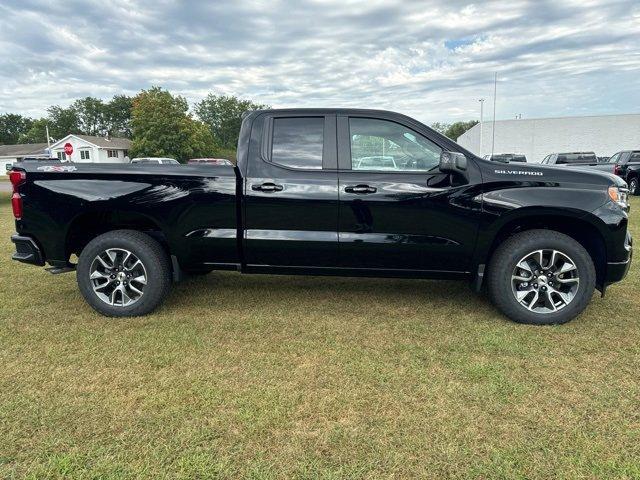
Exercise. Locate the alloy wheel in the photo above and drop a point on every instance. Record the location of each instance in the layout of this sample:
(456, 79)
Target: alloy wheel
(545, 281)
(118, 277)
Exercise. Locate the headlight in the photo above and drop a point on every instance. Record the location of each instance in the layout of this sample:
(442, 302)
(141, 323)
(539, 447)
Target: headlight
(619, 196)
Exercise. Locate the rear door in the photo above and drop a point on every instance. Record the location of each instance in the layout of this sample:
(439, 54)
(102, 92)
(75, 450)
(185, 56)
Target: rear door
(397, 210)
(291, 193)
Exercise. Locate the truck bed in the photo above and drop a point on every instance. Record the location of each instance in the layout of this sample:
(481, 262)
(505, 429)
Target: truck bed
(191, 208)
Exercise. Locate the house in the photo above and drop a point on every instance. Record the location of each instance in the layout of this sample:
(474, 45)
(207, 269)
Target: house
(9, 154)
(87, 148)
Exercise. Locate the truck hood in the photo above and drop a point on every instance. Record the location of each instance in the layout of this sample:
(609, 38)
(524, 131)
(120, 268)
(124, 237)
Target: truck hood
(614, 179)
(535, 172)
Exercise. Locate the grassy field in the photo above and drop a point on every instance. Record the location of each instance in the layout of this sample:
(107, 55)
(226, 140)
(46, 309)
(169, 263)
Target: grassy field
(293, 377)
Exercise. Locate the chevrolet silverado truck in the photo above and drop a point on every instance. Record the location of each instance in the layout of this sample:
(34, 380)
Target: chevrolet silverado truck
(329, 192)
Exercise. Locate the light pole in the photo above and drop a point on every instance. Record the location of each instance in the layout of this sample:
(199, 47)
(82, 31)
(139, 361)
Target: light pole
(481, 119)
(493, 129)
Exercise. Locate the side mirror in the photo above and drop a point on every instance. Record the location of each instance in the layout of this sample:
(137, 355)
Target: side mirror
(452, 162)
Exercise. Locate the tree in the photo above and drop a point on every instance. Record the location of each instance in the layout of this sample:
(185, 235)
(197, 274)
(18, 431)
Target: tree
(63, 121)
(458, 128)
(440, 127)
(12, 126)
(37, 133)
(223, 115)
(161, 126)
(90, 113)
(118, 116)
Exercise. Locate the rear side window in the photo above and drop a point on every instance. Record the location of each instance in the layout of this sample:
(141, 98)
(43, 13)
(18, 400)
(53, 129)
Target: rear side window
(298, 142)
(635, 157)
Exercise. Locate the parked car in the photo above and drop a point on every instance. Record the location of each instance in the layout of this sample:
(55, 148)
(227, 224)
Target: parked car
(570, 158)
(507, 157)
(156, 160)
(210, 161)
(626, 165)
(541, 239)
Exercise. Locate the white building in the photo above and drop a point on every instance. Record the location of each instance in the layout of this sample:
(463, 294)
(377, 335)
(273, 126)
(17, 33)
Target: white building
(9, 154)
(93, 149)
(536, 138)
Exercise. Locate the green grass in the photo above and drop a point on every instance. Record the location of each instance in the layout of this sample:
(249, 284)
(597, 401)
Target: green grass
(293, 377)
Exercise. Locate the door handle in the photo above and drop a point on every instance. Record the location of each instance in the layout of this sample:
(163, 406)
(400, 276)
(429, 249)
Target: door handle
(267, 187)
(360, 189)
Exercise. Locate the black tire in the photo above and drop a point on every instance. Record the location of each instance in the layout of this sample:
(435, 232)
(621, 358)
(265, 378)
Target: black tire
(633, 186)
(149, 252)
(509, 253)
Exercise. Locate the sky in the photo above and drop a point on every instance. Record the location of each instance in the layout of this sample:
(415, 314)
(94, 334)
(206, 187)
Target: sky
(432, 60)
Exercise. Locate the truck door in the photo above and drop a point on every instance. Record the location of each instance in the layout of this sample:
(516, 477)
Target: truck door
(397, 210)
(291, 192)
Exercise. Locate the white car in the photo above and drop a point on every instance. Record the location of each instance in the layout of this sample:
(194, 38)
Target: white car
(156, 160)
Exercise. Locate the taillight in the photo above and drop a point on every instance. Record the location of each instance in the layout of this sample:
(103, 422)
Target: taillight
(617, 169)
(16, 204)
(17, 178)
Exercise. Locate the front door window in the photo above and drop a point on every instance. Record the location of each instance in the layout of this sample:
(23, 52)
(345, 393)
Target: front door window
(382, 145)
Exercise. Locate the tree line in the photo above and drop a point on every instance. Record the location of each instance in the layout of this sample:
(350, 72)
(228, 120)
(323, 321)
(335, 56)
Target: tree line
(159, 123)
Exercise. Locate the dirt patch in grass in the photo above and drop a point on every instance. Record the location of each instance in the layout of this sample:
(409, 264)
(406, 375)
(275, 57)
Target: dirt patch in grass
(295, 377)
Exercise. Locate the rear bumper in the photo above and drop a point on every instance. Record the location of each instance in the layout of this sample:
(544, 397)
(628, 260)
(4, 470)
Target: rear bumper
(616, 271)
(27, 251)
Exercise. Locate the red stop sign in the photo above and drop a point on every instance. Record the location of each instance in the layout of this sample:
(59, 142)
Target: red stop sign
(68, 148)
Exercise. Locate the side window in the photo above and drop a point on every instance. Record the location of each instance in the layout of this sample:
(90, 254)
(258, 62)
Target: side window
(388, 146)
(614, 158)
(298, 142)
(635, 157)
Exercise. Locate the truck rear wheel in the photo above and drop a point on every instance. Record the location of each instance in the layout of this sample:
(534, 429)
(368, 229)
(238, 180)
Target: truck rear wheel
(541, 277)
(124, 273)
(633, 186)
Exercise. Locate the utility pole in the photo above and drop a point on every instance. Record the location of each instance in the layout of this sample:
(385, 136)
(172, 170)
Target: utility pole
(481, 121)
(48, 138)
(495, 92)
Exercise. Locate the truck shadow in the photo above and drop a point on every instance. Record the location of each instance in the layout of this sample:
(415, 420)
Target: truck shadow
(230, 290)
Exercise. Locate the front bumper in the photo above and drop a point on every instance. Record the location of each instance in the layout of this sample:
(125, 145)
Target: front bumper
(27, 250)
(616, 271)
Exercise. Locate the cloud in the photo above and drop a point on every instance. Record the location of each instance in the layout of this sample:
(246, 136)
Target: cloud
(429, 59)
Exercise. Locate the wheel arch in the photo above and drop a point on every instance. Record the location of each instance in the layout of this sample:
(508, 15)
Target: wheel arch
(585, 230)
(88, 225)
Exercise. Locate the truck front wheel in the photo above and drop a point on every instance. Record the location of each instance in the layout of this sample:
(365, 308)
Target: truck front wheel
(124, 273)
(541, 277)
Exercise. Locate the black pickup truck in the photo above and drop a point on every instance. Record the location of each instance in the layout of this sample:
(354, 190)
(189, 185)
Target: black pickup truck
(329, 192)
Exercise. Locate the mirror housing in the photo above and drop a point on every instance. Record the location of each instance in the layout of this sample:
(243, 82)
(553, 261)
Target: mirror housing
(452, 162)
